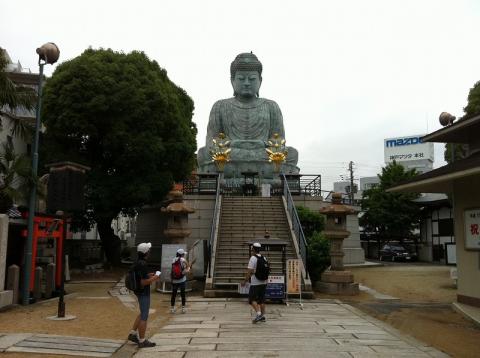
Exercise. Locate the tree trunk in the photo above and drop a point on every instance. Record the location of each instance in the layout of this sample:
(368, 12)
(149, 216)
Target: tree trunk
(110, 242)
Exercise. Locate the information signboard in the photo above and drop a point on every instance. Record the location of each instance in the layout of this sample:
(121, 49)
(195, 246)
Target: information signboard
(472, 229)
(169, 252)
(293, 276)
(409, 148)
(275, 287)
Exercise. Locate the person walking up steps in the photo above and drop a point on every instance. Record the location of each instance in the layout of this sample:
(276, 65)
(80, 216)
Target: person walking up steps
(143, 295)
(180, 268)
(257, 273)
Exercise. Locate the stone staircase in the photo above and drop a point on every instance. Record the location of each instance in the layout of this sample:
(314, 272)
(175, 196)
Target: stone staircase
(244, 219)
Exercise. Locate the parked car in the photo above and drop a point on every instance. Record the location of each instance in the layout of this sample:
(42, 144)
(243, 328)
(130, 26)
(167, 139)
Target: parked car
(396, 252)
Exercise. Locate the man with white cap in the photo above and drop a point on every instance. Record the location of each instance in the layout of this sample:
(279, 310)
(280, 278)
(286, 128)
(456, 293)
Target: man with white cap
(180, 268)
(137, 334)
(257, 273)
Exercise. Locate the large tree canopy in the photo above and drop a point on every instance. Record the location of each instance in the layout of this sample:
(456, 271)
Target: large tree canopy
(120, 115)
(473, 105)
(392, 216)
(471, 109)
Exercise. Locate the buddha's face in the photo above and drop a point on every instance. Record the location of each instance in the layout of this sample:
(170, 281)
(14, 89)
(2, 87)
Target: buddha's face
(246, 84)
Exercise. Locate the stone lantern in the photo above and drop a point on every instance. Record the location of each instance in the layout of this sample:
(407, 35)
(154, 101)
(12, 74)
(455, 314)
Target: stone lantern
(336, 280)
(177, 222)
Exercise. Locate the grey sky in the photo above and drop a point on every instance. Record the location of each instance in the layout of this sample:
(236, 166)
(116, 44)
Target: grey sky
(346, 74)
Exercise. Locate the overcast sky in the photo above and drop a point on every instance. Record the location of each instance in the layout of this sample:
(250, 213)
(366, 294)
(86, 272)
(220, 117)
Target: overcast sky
(346, 74)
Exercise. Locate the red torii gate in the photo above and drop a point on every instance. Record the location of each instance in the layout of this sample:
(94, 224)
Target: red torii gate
(51, 227)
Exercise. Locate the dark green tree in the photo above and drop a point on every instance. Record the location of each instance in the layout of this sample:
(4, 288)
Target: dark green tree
(473, 105)
(391, 216)
(471, 109)
(313, 223)
(460, 152)
(120, 115)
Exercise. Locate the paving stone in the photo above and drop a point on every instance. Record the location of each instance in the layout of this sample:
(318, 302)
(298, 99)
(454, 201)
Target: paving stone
(119, 341)
(201, 333)
(266, 354)
(374, 342)
(16, 349)
(192, 326)
(398, 349)
(147, 353)
(67, 347)
(288, 334)
(260, 341)
(7, 340)
(183, 348)
(73, 341)
(312, 346)
(170, 341)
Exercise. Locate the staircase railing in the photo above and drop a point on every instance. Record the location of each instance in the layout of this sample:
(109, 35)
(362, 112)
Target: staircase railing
(215, 218)
(296, 225)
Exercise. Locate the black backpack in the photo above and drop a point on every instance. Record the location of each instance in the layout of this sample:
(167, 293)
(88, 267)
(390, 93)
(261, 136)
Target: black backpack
(132, 280)
(263, 268)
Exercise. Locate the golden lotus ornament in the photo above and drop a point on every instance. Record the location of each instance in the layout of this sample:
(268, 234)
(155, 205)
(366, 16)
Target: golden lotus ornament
(276, 151)
(220, 151)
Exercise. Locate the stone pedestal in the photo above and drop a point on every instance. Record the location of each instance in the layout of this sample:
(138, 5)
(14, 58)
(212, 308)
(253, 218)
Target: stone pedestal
(338, 283)
(6, 297)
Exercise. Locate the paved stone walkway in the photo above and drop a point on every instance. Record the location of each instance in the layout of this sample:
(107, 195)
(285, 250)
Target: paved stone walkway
(53, 344)
(323, 328)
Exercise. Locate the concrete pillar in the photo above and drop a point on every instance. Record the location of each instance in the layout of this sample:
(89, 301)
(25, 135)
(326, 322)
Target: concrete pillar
(13, 282)
(5, 296)
(37, 285)
(50, 280)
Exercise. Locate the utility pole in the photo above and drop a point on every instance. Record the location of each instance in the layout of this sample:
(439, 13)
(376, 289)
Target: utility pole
(350, 169)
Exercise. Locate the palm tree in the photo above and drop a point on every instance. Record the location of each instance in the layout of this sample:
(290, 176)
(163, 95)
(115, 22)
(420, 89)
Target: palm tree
(12, 97)
(15, 176)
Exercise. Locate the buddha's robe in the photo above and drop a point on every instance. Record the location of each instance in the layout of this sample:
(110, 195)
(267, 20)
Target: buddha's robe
(248, 126)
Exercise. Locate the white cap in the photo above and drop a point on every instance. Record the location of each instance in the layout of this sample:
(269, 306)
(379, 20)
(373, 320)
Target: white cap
(257, 244)
(181, 252)
(144, 247)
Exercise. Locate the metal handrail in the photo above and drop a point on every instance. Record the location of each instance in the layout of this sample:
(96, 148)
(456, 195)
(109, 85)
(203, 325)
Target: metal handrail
(216, 212)
(296, 224)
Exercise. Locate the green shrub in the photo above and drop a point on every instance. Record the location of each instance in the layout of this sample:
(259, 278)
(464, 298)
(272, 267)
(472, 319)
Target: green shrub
(318, 255)
(318, 258)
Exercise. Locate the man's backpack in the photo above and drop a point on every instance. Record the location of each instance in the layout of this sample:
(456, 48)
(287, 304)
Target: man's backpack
(263, 268)
(177, 270)
(132, 280)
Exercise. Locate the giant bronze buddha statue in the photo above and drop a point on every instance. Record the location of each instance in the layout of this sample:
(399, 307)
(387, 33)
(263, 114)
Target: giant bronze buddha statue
(248, 121)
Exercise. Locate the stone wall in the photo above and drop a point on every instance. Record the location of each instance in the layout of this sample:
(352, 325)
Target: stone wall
(200, 223)
(6, 297)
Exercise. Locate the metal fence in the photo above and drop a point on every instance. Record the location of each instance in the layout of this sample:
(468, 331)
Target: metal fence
(296, 224)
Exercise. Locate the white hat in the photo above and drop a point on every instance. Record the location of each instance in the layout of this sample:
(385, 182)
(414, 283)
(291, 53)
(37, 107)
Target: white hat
(257, 244)
(181, 252)
(144, 247)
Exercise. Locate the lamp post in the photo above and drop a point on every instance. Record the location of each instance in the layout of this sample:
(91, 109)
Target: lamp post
(47, 54)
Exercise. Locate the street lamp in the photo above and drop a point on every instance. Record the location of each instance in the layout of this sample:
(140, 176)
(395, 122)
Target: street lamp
(47, 54)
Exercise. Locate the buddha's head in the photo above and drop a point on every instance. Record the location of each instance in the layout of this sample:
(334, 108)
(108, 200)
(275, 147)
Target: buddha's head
(246, 76)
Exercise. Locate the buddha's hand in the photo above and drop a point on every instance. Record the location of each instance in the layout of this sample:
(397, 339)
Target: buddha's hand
(247, 144)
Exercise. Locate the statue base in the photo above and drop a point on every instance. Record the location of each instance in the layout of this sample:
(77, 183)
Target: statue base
(337, 283)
